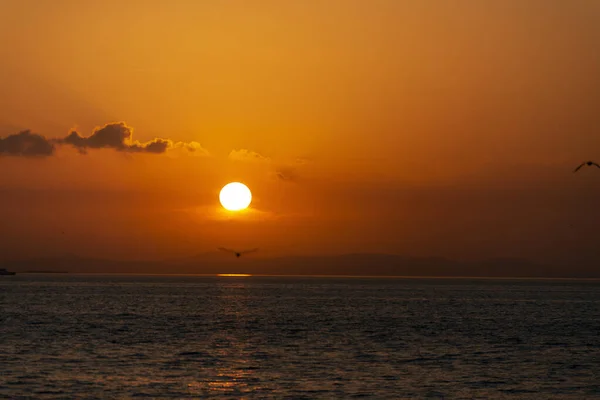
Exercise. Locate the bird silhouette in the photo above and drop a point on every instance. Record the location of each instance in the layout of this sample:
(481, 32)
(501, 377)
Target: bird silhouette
(588, 163)
(237, 253)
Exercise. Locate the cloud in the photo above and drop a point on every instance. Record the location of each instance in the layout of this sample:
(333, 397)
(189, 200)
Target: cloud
(287, 174)
(194, 148)
(247, 155)
(157, 146)
(117, 136)
(26, 144)
(249, 214)
(303, 160)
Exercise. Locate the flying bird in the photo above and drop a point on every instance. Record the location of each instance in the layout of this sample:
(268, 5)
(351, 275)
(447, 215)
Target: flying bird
(237, 253)
(588, 163)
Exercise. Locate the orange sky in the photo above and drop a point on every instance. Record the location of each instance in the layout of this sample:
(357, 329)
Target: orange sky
(421, 128)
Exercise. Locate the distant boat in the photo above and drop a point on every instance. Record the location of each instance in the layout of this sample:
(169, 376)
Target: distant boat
(3, 271)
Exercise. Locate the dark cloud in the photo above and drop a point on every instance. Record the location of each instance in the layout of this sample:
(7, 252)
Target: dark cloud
(26, 144)
(117, 136)
(156, 146)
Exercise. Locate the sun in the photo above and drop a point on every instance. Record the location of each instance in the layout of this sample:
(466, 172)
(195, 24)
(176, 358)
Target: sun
(235, 196)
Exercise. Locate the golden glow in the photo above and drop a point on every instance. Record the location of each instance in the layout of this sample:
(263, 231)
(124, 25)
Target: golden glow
(356, 123)
(234, 275)
(235, 196)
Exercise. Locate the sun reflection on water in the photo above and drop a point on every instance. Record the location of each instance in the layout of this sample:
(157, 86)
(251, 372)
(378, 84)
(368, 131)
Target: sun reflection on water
(234, 371)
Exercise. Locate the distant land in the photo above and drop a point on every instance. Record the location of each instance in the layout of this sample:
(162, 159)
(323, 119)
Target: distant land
(49, 271)
(362, 264)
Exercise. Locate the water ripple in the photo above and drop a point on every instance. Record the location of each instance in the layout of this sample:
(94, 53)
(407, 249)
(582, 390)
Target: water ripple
(90, 337)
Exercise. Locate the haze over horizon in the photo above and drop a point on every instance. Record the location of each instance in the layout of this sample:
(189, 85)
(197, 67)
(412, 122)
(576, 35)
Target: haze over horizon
(449, 129)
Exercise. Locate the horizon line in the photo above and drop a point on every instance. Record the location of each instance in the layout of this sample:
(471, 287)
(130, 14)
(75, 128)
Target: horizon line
(233, 275)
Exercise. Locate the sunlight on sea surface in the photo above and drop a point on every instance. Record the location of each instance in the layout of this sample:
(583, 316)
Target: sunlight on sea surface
(111, 336)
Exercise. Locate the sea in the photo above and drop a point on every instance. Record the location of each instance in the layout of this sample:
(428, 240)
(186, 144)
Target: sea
(68, 336)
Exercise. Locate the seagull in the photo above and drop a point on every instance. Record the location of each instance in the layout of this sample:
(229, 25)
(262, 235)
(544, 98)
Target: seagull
(588, 163)
(237, 253)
